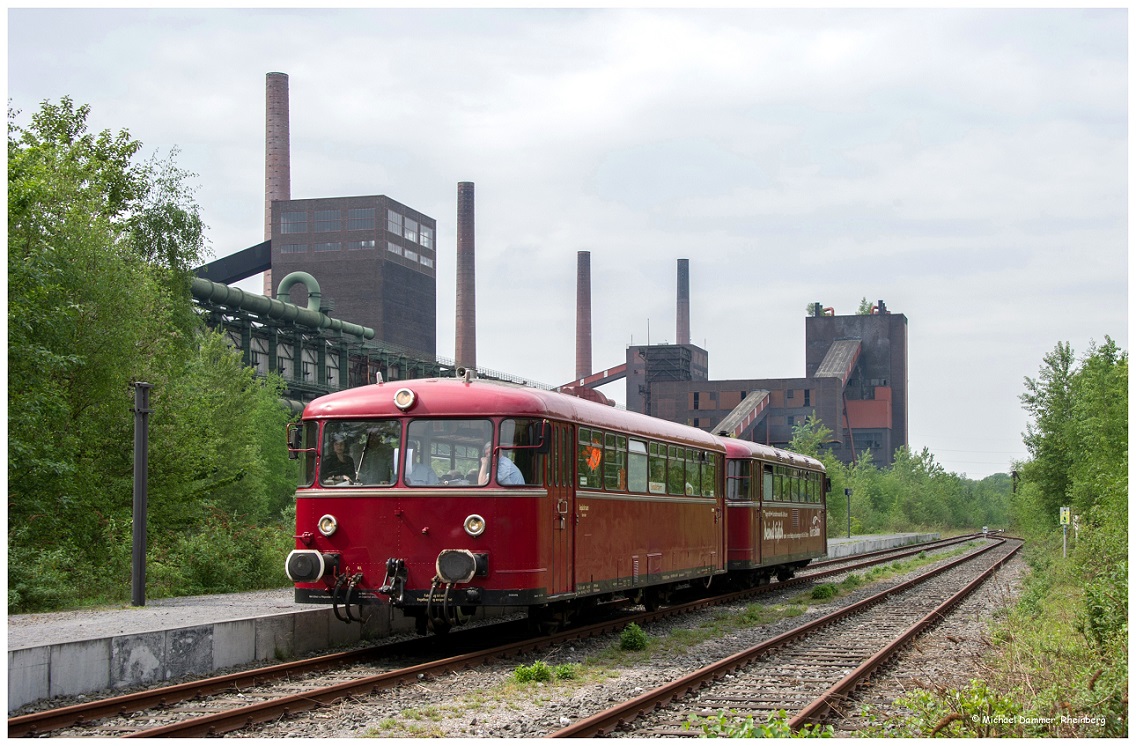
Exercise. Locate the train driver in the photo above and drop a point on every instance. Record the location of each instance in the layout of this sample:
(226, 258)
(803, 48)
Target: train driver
(507, 471)
(337, 467)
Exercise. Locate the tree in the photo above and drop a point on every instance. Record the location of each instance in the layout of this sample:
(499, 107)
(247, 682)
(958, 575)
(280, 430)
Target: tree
(1049, 401)
(99, 250)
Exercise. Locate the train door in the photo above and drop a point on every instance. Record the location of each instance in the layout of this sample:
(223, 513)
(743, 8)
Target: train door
(562, 500)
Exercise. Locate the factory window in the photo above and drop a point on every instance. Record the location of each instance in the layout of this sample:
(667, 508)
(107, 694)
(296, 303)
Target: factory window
(394, 248)
(357, 245)
(791, 421)
(394, 222)
(427, 237)
(789, 393)
(327, 221)
(410, 229)
(294, 222)
(411, 255)
(426, 261)
(807, 392)
(293, 248)
(696, 400)
(325, 246)
(361, 219)
(309, 365)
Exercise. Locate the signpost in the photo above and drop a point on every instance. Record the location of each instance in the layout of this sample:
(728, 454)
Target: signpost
(1065, 516)
(848, 494)
(141, 458)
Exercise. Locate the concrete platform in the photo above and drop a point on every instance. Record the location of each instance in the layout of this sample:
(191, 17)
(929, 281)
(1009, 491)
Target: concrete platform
(844, 547)
(79, 652)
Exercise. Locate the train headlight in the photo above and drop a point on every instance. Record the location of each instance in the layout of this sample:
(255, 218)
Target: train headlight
(328, 525)
(475, 525)
(404, 399)
(456, 565)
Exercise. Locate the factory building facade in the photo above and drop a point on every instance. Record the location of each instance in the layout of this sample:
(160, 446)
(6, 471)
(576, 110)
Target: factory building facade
(855, 382)
(376, 259)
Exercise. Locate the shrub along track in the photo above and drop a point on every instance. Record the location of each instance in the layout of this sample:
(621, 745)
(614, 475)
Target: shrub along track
(226, 703)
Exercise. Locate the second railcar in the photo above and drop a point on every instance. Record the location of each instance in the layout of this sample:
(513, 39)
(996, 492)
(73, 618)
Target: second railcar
(776, 501)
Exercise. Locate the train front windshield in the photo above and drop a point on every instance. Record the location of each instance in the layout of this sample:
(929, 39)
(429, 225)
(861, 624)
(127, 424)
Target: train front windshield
(446, 452)
(435, 453)
(360, 452)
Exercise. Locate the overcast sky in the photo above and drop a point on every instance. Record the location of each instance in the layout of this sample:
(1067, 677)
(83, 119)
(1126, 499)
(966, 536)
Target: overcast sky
(968, 167)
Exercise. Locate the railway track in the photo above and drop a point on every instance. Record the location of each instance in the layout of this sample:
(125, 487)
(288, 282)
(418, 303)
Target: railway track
(808, 670)
(223, 704)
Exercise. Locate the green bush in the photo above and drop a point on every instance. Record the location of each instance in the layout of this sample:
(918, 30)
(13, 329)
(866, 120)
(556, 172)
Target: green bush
(852, 581)
(975, 711)
(723, 725)
(538, 671)
(824, 591)
(633, 638)
(564, 671)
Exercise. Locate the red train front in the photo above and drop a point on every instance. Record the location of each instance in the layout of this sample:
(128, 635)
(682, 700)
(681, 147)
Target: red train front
(443, 495)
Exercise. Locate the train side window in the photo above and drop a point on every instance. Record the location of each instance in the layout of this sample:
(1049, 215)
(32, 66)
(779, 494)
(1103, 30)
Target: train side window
(615, 462)
(309, 436)
(709, 474)
(590, 457)
(767, 484)
(676, 470)
(519, 440)
(693, 484)
(566, 459)
(636, 466)
(658, 465)
(737, 479)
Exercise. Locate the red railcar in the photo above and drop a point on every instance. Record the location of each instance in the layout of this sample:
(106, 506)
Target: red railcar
(776, 502)
(441, 495)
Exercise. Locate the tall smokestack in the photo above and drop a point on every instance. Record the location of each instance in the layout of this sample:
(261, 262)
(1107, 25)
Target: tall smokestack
(277, 161)
(683, 332)
(583, 314)
(466, 343)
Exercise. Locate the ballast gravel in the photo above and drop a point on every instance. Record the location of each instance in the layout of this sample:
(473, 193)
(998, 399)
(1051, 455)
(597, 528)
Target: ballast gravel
(487, 703)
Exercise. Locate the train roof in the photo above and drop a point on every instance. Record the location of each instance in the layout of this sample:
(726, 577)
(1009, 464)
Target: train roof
(455, 397)
(747, 449)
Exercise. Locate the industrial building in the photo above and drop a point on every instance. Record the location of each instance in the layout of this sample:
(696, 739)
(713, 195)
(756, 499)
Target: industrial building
(374, 257)
(855, 381)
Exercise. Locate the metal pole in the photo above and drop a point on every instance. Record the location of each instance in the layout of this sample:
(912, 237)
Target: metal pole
(848, 494)
(141, 446)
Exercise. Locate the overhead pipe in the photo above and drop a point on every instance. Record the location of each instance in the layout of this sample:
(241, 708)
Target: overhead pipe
(273, 308)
